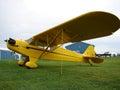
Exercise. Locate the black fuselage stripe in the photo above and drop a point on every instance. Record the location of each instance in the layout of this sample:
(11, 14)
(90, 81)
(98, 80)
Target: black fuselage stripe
(50, 52)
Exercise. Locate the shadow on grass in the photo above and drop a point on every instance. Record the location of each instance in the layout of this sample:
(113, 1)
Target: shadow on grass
(66, 65)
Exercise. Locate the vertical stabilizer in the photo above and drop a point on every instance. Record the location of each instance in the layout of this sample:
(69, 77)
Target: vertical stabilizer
(89, 52)
(89, 55)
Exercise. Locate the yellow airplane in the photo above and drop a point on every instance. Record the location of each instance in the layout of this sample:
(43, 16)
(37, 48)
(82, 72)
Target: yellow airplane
(47, 45)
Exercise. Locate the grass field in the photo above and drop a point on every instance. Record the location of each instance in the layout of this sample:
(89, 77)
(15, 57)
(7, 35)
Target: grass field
(51, 76)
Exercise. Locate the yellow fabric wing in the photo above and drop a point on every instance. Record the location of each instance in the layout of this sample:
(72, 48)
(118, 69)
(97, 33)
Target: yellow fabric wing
(88, 26)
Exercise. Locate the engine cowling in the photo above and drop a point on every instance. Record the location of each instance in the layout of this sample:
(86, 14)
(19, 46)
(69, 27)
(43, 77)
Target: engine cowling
(11, 41)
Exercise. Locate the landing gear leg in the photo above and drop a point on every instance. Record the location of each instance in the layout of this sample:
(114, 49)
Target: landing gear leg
(90, 62)
(22, 62)
(31, 63)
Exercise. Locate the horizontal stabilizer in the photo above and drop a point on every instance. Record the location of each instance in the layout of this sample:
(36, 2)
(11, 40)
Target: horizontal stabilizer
(93, 59)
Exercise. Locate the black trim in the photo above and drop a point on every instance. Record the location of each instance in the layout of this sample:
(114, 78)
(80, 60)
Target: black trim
(50, 51)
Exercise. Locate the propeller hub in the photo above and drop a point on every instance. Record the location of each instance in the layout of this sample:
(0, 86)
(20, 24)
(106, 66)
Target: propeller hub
(11, 41)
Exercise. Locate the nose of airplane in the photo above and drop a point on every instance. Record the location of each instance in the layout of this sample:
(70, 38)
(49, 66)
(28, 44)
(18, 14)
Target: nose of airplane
(11, 41)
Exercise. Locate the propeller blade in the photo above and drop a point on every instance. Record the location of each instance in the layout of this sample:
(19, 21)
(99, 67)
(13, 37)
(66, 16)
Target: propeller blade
(6, 40)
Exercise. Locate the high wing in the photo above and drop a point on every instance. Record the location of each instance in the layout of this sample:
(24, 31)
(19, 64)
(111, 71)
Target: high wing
(88, 26)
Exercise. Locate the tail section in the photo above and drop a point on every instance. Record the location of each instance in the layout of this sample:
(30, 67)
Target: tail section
(87, 50)
(89, 55)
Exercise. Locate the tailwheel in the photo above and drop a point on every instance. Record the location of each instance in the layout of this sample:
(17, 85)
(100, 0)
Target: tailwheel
(90, 62)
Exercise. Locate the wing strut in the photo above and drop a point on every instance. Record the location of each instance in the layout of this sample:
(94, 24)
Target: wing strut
(51, 42)
(61, 69)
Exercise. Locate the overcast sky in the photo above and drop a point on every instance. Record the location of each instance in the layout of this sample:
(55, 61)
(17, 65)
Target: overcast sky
(21, 19)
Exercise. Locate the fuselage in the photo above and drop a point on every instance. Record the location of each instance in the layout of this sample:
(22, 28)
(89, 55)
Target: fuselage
(34, 53)
(57, 53)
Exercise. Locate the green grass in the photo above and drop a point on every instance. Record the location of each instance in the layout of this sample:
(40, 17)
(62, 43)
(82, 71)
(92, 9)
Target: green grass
(75, 76)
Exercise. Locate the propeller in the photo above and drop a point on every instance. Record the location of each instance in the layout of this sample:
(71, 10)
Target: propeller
(6, 40)
(11, 41)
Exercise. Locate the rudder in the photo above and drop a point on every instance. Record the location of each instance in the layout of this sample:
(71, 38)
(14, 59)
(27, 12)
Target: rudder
(89, 51)
(89, 55)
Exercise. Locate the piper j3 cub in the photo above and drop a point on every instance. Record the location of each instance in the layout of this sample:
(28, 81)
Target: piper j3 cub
(47, 45)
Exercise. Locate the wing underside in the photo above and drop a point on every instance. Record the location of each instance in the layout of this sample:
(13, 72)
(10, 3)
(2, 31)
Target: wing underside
(87, 26)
